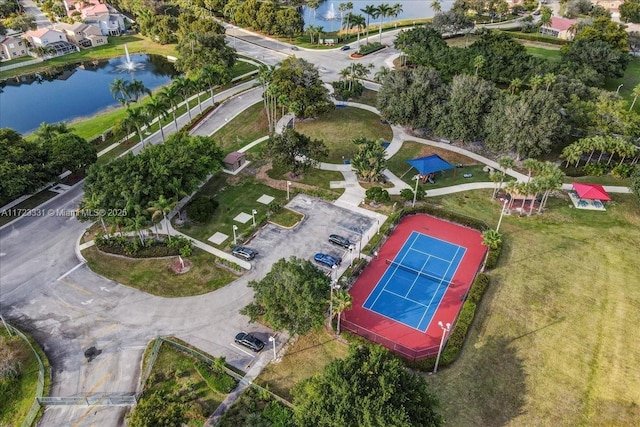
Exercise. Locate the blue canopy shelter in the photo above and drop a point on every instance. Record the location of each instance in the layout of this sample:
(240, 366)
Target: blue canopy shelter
(429, 165)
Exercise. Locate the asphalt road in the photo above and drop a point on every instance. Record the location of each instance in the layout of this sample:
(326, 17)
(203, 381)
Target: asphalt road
(67, 308)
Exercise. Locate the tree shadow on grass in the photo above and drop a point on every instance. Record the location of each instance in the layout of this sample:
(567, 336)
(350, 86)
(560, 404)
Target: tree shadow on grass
(493, 392)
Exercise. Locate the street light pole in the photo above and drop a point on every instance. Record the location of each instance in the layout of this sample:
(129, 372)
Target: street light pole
(235, 240)
(253, 216)
(501, 215)
(272, 339)
(619, 86)
(288, 185)
(445, 328)
(378, 221)
(415, 192)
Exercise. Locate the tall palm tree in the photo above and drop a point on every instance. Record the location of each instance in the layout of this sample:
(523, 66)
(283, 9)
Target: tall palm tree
(118, 89)
(396, 10)
(436, 6)
(135, 89)
(214, 75)
(171, 95)
(369, 10)
(636, 93)
(137, 118)
(157, 107)
(359, 22)
(136, 224)
(199, 86)
(478, 62)
(572, 153)
(505, 162)
(160, 208)
(383, 11)
(515, 85)
(184, 86)
(341, 301)
(549, 79)
(535, 82)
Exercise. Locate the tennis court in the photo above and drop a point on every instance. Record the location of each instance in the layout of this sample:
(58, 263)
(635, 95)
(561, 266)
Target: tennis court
(414, 283)
(420, 277)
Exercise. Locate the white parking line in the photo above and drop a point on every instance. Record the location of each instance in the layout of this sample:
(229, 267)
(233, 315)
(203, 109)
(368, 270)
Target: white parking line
(70, 271)
(244, 351)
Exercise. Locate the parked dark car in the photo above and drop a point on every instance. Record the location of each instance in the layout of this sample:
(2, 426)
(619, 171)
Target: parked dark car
(345, 47)
(327, 260)
(294, 48)
(249, 341)
(340, 241)
(244, 252)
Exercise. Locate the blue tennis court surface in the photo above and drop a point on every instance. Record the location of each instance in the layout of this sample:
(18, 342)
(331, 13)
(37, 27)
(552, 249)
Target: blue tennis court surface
(415, 281)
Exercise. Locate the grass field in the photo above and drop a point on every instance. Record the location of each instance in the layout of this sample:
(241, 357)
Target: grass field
(155, 277)
(553, 342)
(235, 195)
(630, 80)
(243, 129)
(316, 177)
(307, 357)
(286, 218)
(342, 125)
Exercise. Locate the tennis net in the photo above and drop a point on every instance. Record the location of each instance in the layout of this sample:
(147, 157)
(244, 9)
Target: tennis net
(417, 272)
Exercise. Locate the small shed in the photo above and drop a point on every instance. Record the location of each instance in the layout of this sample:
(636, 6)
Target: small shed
(234, 160)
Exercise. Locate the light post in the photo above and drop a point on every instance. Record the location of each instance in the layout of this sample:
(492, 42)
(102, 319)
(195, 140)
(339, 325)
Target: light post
(288, 185)
(235, 240)
(415, 192)
(619, 86)
(445, 328)
(334, 281)
(272, 339)
(378, 221)
(253, 216)
(501, 215)
(360, 244)
(351, 255)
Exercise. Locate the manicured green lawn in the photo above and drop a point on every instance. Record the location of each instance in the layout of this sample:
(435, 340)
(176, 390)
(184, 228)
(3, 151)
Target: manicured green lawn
(368, 97)
(630, 80)
(155, 277)
(340, 126)
(307, 357)
(548, 53)
(553, 341)
(243, 129)
(174, 374)
(412, 149)
(18, 395)
(286, 218)
(602, 180)
(235, 194)
(316, 177)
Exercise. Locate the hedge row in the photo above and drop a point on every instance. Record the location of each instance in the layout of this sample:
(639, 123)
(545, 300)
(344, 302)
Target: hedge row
(516, 34)
(152, 248)
(370, 48)
(492, 257)
(446, 214)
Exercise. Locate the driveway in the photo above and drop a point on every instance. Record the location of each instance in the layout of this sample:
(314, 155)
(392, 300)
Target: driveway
(31, 8)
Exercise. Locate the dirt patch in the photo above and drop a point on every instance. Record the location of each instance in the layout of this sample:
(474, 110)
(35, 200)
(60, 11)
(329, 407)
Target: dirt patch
(280, 184)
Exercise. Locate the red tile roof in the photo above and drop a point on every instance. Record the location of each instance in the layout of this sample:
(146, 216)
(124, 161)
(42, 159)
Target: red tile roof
(561, 24)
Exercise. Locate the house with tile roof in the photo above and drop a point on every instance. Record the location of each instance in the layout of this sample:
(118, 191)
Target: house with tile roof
(82, 34)
(561, 28)
(11, 48)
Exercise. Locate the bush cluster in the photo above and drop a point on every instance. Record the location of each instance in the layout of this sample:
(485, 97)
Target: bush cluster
(596, 169)
(622, 171)
(537, 37)
(492, 257)
(459, 332)
(201, 209)
(215, 379)
(370, 48)
(446, 214)
(378, 194)
(152, 248)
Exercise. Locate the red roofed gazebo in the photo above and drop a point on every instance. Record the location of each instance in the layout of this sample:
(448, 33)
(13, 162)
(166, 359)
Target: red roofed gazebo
(591, 191)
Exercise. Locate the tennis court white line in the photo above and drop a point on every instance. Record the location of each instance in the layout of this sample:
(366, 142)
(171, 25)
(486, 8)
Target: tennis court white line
(403, 297)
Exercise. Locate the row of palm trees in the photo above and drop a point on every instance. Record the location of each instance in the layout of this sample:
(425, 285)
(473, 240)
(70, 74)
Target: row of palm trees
(167, 101)
(603, 145)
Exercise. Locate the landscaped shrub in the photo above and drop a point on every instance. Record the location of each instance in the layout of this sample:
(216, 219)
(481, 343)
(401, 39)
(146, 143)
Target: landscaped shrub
(595, 169)
(153, 248)
(201, 209)
(370, 48)
(378, 194)
(445, 214)
(345, 90)
(216, 380)
(478, 287)
(622, 171)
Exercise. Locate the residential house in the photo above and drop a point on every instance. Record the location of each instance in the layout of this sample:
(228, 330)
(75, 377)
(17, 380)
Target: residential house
(610, 5)
(53, 39)
(82, 35)
(100, 15)
(11, 47)
(561, 28)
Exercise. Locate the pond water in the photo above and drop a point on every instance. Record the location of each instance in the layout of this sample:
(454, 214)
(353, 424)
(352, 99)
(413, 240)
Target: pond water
(328, 14)
(76, 91)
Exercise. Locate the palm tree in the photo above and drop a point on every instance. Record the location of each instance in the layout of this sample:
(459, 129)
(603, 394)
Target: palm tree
(214, 75)
(341, 301)
(137, 224)
(383, 11)
(505, 163)
(436, 6)
(369, 10)
(515, 85)
(549, 79)
(171, 96)
(184, 86)
(359, 22)
(95, 203)
(535, 82)
(137, 118)
(118, 89)
(199, 85)
(478, 62)
(572, 153)
(382, 74)
(636, 93)
(157, 107)
(265, 77)
(396, 10)
(135, 89)
(159, 209)
(491, 239)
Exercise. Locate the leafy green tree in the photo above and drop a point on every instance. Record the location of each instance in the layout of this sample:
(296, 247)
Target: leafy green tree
(451, 22)
(160, 208)
(368, 388)
(412, 97)
(292, 296)
(369, 161)
(22, 165)
(424, 46)
(598, 55)
(635, 181)
(21, 22)
(377, 194)
(290, 22)
(630, 11)
(298, 82)
(207, 48)
(505, 58)
(605, 30)
(436, 6)
(68, 151)
(463, 115)
(294, 151)
(527, 124)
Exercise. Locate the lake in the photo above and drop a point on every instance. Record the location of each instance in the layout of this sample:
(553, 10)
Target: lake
(328, 15)
(73, 92)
